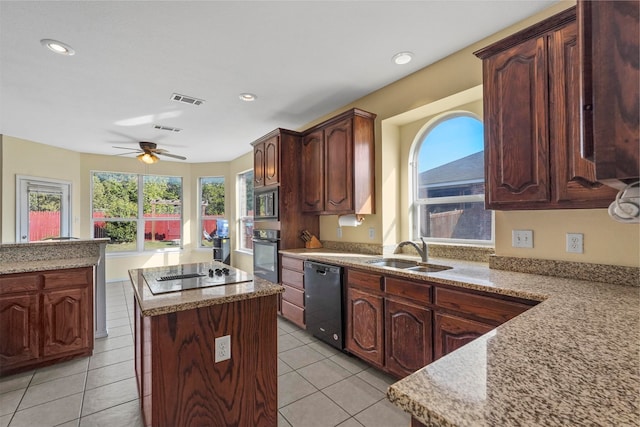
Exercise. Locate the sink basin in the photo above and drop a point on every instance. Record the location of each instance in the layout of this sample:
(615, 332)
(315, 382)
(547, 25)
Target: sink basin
(394, 263)
(432, 268)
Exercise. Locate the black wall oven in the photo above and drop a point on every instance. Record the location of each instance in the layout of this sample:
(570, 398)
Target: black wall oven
(265, 254)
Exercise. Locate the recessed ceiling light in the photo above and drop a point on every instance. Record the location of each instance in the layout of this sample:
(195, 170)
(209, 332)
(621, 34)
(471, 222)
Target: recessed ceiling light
(402, 58)
(248, 97)
(58, 47)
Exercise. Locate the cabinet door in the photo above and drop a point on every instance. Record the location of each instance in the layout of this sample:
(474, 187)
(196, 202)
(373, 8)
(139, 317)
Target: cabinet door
(313, 172)
(516, 125)
(339, 167)
(574, 176)
(19, 326)
(365, 323)
(258, 165)
(452, 332)
(609, 39)
(271, 161)
(408, 340)
(66, 325)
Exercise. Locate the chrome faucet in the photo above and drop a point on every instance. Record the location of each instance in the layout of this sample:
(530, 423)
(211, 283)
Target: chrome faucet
(423, 252)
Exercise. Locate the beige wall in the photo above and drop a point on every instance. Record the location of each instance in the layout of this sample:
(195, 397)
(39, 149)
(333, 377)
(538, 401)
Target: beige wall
(403, 108)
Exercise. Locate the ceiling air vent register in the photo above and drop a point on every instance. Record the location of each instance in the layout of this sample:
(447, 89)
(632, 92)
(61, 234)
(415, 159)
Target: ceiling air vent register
(187, 99)
(167, 128)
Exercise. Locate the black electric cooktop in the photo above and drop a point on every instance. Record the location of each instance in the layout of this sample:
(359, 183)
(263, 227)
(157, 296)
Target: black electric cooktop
(183, 277)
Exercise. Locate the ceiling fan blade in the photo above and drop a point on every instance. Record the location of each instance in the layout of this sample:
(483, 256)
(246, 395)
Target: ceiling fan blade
(124, 154)
(171, 155)
(127, 148)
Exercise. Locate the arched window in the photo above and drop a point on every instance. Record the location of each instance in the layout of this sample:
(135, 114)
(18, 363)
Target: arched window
(448, 181)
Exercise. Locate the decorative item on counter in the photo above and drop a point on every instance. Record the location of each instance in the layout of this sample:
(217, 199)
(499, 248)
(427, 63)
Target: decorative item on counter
(626, 207)
(310, 241)
(350, 220)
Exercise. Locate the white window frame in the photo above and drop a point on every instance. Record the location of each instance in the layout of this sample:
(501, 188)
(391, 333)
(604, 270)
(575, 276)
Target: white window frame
(241, 197)
(139, 220)
(200, 202)
(416, 203)
(23, 184)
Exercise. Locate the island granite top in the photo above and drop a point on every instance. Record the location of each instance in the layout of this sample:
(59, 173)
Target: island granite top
(153, 305)
(573, 359)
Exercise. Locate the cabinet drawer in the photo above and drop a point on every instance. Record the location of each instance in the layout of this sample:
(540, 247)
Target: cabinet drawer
(293, 295)
(411, 290)
(64, 278)
(293, 278)
(293, 313)
(19, 283)
(364, 280)
(293, 263)
(481, 306)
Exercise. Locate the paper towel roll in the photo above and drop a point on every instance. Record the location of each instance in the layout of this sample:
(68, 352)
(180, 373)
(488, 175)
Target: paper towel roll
(349, 220)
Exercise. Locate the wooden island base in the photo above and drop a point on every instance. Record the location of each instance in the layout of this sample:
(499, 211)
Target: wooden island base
(181, 385)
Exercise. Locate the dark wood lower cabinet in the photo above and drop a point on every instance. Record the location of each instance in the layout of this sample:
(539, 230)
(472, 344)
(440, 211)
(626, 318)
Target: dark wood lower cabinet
(365, 334)
(407, 337)
(181, 385)
(45, 317)
(452, 332)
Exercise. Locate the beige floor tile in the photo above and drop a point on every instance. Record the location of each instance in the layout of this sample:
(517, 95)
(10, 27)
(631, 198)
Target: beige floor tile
(304, 336)
(315, 410)
(324, 348)
(127, 414)
(119, 330)
(324, 373)
(15, 382)
(60, 370)
(110, 374)
(351, 364)
(4, 420)
(283, 368)
(52, 413)
(287, 326)
(110, 357)
(292, 387)
(74, 423)
(383, 414)
(287, 342)
(101, 398)
(117, 315)
(9, 401)
(114, 323)
(282, 422)
(52, 390)
(112, 343)
(351, 422)
(378, 379)
(300, 356)
(353, 394)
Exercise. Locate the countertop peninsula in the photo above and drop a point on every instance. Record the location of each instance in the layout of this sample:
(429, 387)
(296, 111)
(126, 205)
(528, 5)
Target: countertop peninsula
(573, 359)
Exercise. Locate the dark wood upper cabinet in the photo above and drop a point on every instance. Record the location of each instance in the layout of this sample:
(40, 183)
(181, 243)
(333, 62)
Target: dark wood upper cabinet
(338, 166)
(532, 121)
(266, 162)
(609, 42)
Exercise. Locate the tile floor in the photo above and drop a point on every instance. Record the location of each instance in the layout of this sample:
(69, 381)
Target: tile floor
(317, 385)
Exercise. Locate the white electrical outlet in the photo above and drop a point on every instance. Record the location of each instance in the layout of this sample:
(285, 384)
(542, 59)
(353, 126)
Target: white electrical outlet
(575, 243)
(223, 348)
(339, 232)
(522, 238)
(372, 233)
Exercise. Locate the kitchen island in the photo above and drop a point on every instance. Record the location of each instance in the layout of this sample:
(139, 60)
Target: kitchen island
(179, 378)
(570, 360)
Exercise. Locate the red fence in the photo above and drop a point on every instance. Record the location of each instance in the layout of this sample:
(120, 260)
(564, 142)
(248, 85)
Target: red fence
(43, 225)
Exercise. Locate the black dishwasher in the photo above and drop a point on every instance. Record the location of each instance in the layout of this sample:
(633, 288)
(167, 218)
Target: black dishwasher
(323, 302)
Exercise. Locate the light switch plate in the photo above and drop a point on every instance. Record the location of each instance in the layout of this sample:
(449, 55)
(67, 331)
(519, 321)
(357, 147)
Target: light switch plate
(522, 238)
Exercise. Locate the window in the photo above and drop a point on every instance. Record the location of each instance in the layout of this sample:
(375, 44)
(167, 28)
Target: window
(245, 210)
(43, 209)
(448, 182)
(211, 199)
(137, 212)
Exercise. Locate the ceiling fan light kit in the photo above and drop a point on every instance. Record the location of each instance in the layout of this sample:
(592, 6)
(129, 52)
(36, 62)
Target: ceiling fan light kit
(148, 158)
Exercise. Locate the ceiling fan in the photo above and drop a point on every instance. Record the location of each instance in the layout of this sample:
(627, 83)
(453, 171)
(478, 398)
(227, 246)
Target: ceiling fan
(149, 152)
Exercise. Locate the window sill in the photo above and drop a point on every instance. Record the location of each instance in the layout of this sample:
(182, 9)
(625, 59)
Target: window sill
(244, 251)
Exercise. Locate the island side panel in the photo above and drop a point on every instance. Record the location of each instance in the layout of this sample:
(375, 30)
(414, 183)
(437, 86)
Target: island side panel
(189, 389)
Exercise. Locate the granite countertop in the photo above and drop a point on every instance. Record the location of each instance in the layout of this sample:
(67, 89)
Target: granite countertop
(51, 264)
(153, 305)
(573, 359)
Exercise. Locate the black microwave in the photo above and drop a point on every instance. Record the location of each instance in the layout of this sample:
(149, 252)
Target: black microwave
(266, 204)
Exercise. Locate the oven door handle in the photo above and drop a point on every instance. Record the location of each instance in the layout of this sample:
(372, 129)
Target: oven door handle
(264, 240)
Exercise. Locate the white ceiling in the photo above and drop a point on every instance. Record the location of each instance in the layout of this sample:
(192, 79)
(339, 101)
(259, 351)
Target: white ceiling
(303, 59)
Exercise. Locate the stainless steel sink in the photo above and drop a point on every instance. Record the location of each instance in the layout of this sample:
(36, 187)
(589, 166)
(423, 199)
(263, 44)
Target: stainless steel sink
(409, 265)
(394, 263)
(431, 268)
